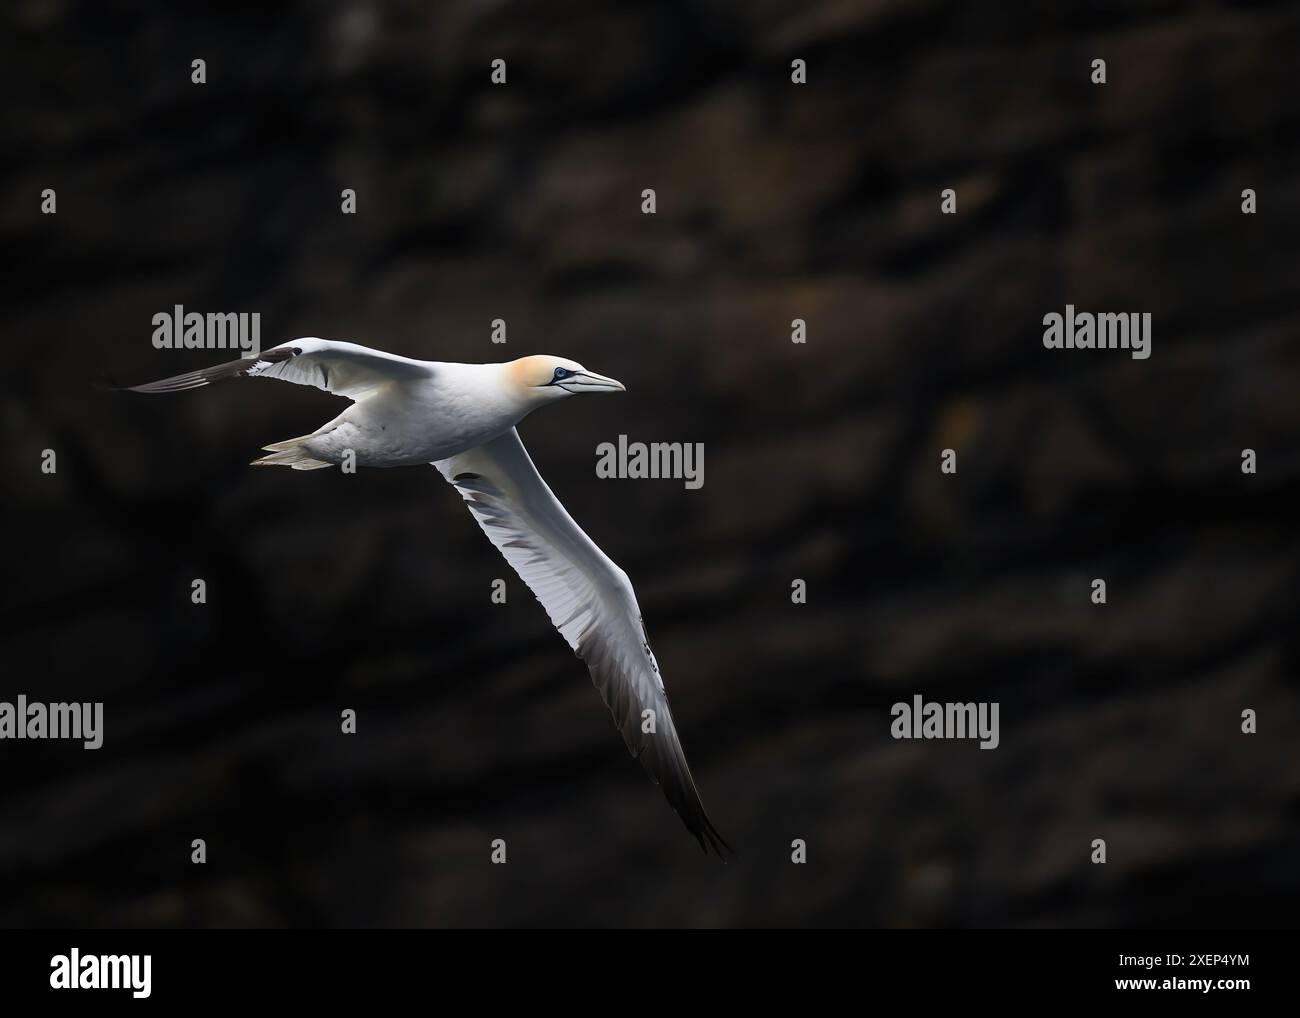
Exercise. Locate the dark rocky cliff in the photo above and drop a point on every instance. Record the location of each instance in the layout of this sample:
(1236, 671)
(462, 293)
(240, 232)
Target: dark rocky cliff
(775, 201)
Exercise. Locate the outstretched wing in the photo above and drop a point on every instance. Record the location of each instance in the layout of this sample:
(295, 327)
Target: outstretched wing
(591, 602)
(344, 369)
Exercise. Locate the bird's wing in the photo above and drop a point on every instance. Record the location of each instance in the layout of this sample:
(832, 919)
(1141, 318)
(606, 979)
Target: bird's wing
(344, 369)
(591, 602)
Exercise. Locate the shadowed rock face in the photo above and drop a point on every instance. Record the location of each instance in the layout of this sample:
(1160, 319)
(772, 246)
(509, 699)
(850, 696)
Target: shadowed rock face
(775, 202)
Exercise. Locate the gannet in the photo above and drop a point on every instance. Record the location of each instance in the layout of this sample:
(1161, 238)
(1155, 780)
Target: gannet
(462, 419)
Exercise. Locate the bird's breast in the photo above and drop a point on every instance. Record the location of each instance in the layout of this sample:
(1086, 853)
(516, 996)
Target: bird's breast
(408, 428)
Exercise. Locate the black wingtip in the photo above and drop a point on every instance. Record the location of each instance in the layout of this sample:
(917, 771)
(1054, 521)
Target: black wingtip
(711, 840)
(104, 382)
(107, 383)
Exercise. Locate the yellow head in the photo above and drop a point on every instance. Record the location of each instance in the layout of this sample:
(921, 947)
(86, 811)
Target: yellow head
(542, 377)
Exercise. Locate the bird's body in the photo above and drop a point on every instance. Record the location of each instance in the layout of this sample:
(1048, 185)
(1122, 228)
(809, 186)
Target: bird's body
(418, 420)
(423, 412)
(462, 418)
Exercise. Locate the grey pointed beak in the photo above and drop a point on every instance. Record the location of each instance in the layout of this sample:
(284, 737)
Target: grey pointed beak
(589, 381)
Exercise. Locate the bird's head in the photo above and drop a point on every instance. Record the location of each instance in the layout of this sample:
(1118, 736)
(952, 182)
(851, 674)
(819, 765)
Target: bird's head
(545, 379)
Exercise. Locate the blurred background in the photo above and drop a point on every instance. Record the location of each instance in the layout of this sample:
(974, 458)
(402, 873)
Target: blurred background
(775, 201)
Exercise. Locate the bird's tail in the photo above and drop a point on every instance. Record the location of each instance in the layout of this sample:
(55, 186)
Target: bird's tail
(291, 454)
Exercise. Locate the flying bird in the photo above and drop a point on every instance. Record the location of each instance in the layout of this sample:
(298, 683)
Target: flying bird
(462, 418)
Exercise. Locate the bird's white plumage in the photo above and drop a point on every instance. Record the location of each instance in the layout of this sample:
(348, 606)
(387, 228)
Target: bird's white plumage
(589, 599)
(344, 369)
(578, 585)
(462, 417)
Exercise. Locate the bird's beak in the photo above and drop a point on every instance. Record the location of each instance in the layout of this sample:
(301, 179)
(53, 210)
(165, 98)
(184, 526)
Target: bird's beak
(589, 381)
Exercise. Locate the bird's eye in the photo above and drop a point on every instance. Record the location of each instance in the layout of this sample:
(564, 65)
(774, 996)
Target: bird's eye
(562, 373)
